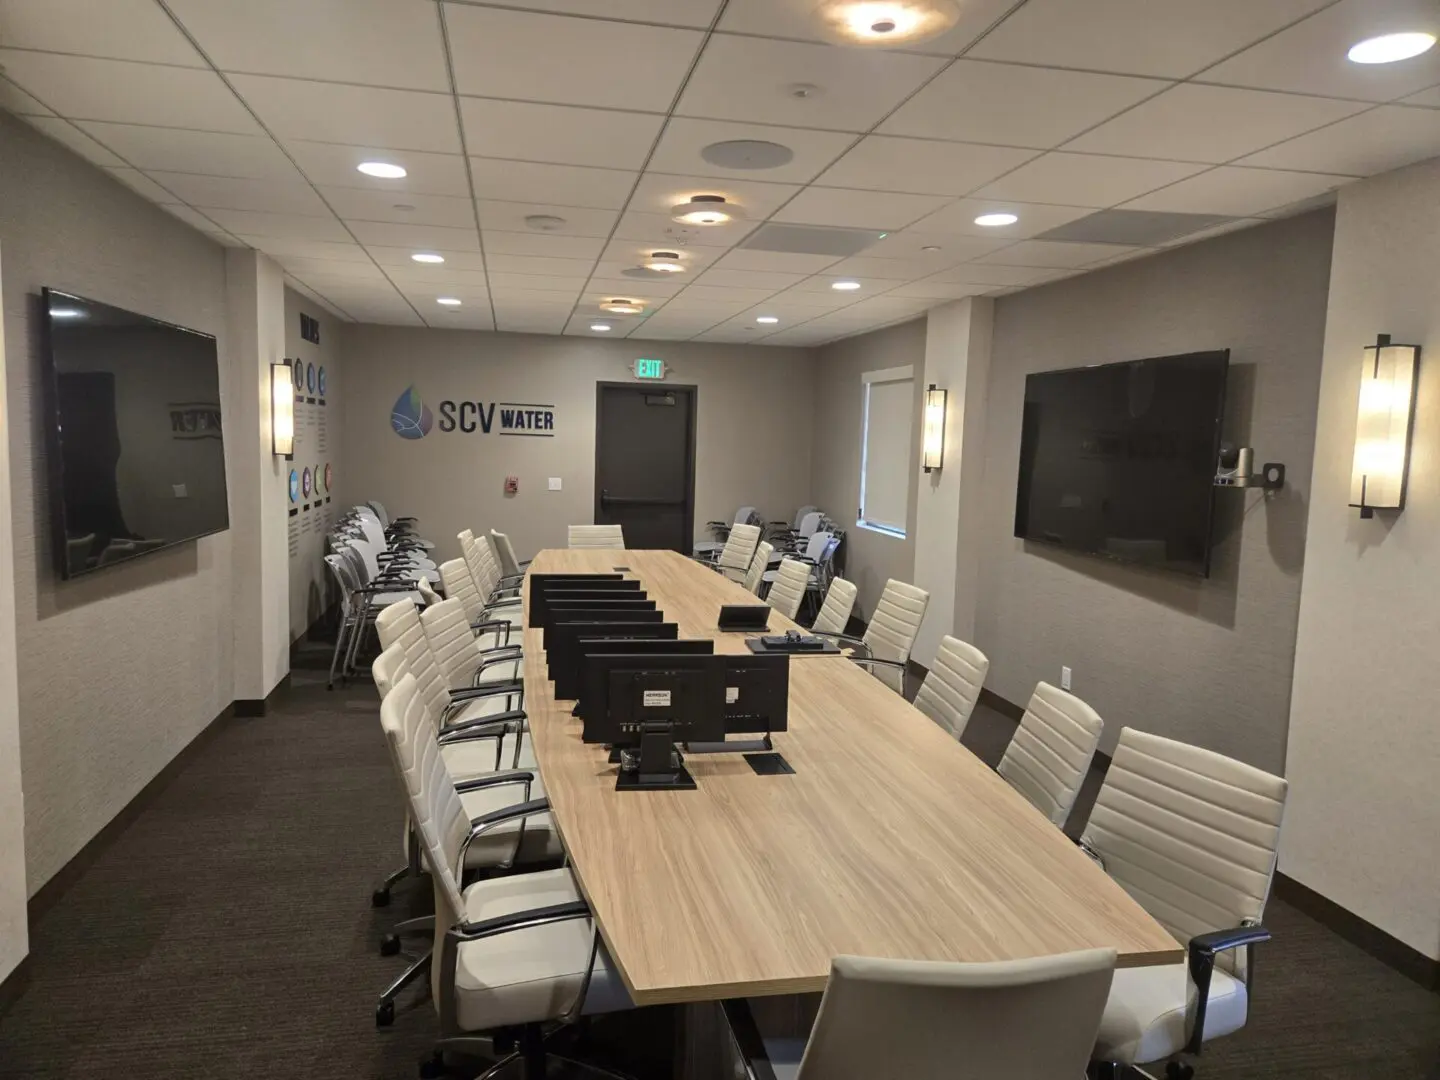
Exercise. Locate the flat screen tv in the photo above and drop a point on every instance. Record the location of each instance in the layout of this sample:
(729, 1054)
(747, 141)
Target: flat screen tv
(1118, 460)
(135, 441)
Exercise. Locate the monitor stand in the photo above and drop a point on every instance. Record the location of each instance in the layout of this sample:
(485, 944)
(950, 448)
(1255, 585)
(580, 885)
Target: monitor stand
(657, 766)
(731, 746)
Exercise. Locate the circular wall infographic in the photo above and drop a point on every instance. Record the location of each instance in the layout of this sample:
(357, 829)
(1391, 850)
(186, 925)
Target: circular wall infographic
(310, 377)
(294, 486)
(320, 381)
(328, 476)
(305, 483)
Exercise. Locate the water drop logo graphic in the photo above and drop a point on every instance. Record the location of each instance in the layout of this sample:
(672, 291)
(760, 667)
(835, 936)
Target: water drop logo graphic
(411, 418)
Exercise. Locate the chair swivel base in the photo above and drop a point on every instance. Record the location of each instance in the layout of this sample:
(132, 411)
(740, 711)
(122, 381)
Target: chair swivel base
(527, 1048)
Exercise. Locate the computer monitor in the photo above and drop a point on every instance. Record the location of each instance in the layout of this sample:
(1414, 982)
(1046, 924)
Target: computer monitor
(562, 664)
(757, 694)
(618, 610)
(540, 584)
(558, 597)
(652, 702)
(593, 687)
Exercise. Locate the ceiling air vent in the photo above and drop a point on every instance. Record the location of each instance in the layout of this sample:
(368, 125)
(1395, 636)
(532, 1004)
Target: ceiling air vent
(810, 240)
(1143, 228)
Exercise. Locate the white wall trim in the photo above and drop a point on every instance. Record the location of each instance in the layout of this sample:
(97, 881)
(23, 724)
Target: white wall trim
(893, 374)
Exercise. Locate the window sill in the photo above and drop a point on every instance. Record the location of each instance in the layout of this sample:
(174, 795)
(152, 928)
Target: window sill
(883, 530)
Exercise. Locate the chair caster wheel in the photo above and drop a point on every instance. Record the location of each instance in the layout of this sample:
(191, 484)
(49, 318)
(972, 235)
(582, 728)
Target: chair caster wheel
(389, 945)
(380, 898)
(432, 1067)
(1179, 1070)
(384, 1014)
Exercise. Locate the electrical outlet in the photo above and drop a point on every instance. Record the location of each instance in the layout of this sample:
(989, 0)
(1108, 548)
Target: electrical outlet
(1064, 678)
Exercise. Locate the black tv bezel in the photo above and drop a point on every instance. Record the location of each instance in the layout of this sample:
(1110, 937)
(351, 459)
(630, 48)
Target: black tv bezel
(54, 439)
(1105, 556)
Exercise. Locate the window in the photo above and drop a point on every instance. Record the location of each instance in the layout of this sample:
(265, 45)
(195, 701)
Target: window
(887, 416)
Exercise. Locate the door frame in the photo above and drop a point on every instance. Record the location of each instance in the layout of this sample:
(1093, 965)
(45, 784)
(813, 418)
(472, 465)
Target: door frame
(690, 440)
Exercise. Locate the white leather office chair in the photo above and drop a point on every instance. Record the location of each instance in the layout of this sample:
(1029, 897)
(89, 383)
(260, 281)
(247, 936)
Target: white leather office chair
(512, 952)
(1050, 754)
(924, 1020)
(597, 536)
(500, 600)
(758, 562)
(734, 559)
(465, 659)
(1192, 835)
(746, 515)
(952, 686)
(834, 614)
(890, 635)
(787, 591)
(510, 567)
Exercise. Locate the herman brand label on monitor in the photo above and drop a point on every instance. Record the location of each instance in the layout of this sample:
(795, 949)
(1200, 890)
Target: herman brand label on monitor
(411, 418)
(653, 699)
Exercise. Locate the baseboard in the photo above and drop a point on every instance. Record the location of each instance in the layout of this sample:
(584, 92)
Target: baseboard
(48, 894)
(1365, 935)
(249, 708)
(992, 700)
(13, 985)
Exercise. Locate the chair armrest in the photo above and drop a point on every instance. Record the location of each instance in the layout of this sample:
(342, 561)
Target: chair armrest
(497, 724)
(500, 626)
(497, 779)
(1201, 966)
(875, 660)
(522, 920)
(1090, 853)
(747, 1039)
(467, 694)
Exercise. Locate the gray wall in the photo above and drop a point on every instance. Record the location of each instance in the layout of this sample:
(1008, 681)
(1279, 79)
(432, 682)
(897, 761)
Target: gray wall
(754, 429)
(1207, 661)
(870, 557)
(118, 671)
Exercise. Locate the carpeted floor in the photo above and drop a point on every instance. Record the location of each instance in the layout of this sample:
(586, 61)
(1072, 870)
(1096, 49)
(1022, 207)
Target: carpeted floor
(226, 934)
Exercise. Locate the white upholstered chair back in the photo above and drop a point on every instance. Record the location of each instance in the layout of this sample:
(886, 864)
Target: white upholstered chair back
(758, 565)
(460, 585)
(1189, 833)
(480, 560)
(739, 549)
(389, 666)
(835, 611)
(400, 623)
(928, 1020)
(1050, 754)
(597, 536)
(452, 642)
(893, 626)
(787, 591)
(802, 513)
(809, 524)
(505, 552)
(952, 687)
(427, 591)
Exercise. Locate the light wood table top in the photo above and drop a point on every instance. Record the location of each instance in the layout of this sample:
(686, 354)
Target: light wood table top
(890, 839)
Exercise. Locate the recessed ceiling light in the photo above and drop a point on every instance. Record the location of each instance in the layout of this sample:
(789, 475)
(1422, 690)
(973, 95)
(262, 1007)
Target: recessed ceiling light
(666, 262)
(384, 170)
(885, 22)
(992, 221)
(748, 154)
(427, 257)
(544, 222)
(931, 247)
(404, 206)
(448, 301)
(1388, 48)
(704, 210)
(600, 327)
(622, 307)
(845, 286)
(767, 319)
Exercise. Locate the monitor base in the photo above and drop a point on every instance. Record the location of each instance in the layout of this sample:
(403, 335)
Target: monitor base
(679, 780)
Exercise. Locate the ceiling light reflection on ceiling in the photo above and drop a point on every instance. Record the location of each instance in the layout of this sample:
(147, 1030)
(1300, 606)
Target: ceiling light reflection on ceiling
(704, 210)
(767, 319)
(1389, 48)
(885, 22)
(845, 286)
(600, 327)
(666, 262)
(383, 170)
(992, 221)
(427, 257)
(447, 301)
(622, 307)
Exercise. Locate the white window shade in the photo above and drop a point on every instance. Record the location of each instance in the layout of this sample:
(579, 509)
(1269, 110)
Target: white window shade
(889, 407)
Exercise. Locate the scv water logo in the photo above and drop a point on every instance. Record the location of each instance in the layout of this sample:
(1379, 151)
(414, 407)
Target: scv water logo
(410, 417)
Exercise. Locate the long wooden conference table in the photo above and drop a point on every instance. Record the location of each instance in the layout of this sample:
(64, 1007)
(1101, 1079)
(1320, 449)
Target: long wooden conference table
(890, 839)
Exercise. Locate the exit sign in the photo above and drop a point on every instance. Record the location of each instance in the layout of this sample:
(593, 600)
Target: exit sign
(649, 369)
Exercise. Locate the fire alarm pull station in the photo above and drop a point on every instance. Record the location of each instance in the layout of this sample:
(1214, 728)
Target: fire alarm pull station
(512, 485)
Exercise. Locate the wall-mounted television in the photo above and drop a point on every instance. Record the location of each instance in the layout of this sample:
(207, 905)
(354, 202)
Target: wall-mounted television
(136, 446)
(1118, 460)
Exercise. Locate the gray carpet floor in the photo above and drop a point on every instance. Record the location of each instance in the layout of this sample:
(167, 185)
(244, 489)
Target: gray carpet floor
(226, 933)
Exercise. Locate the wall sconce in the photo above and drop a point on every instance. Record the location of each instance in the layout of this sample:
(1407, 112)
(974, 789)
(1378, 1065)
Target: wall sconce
(282, 410)
(1384, 426)
(932, 450)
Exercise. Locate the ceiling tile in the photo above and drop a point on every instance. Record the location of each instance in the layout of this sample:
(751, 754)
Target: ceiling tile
(521, 322)
(141, 184)
(426, 298)
(84, 88)
(288, 246)
(208, 152)
(335, 165)
(930, 289)
(1211, 123)
(781, 261)
(848, 208)
(579, 325)
(659, 230)
(232, 193)
(118, 29)
(298, 226)
(1083, 179)
(533, 264)
(1034, 218)
(620, 254)
(400, 257)
(359, 205)
(796, 19)
(975, 101)
(1171, 38)
(1310, 57)
(537, 57)
(465, 318)
(991, 274)
(359, 41)
(745, 78)
(698, 13)
(416, 274)
(355, 115)
(605, 282)
(578, 221)
(563, 134)
(658, 192)
(912, 245)
(561, 185)
(797, 304)
(1428, 98)
(416, 237)
(1373, 142)
(66, 133)
(331, 269)
(741, 279)
(822, 282)
(17, 101)
(194, 218)
(679, 149)
(1054, 254)
(1215, 230)
(1237, 192)
(924, 166)
(548, 245)
(892, 270)
(506, 292)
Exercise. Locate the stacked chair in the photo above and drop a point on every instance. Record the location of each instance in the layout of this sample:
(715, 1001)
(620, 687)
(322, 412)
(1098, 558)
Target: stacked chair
(720, 530)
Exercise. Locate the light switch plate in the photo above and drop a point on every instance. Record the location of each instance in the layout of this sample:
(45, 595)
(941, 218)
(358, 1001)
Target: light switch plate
(554, 483)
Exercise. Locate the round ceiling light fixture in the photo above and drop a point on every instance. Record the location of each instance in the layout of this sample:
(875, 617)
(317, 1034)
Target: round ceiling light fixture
(620, 306)
(427, 257)
(600, 327)
(1389, 48)
(994, 221)
(665, 262)
(748, 154)
(704, 210)
(382, 170)
(885, 23)
(845, 286)
(544, 222)
(447, 301)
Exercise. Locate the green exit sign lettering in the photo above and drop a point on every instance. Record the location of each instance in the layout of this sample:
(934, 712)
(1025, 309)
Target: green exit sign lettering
(649, 369)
